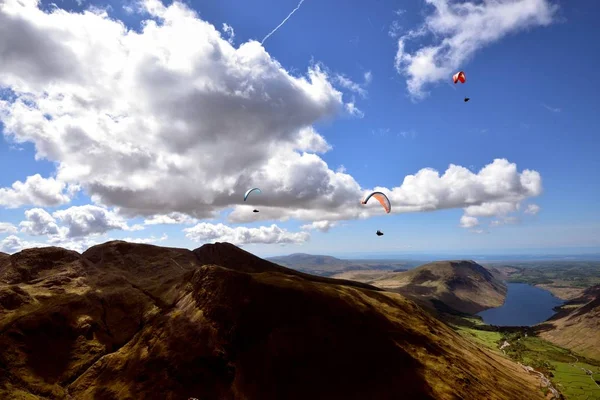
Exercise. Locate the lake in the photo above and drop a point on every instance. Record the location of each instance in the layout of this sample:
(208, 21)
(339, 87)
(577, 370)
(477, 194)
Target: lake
(525, 305)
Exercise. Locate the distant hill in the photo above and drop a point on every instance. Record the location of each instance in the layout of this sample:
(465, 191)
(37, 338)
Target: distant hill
(328, 265)
(577, 324)
(464, 286)
(129, 321)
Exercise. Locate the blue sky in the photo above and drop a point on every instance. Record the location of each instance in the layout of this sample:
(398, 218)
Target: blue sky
(385, 115)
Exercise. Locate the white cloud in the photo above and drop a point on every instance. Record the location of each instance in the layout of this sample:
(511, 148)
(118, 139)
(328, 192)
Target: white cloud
(353, 110)
(494, 185)
(273, 234)
(532, 209)
(36, 191)
(468, 222)
(358, 88)
(323, 226)
(173, 118)
(177, 121)
(79, 244)
(460, 30)
(170, 219)
(6, 227)
(39, 223)
(491, 209)
(88, 220)
(13, 244)
(229, 32)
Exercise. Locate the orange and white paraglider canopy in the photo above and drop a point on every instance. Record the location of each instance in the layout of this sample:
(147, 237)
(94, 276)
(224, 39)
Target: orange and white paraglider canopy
(459, 76)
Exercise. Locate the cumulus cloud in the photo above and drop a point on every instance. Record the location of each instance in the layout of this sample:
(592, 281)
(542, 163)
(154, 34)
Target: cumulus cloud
(13, 244)
(169, 124)
(491, 209)
(173, 126)
(35, 191)
(75, 228)
(240, 236)
(89, 220)
(532, 209)
(323, 226)
(6, 227)
(40, 222)
(494, 190)
(459, 30)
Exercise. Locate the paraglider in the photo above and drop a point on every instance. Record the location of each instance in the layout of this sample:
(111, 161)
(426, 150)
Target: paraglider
(382, 198)
(248, 194)
(379, 233)
(459, 77)
(250, 191)
(462, 78)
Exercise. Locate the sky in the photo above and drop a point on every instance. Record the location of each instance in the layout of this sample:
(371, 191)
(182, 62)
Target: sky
(148, 121)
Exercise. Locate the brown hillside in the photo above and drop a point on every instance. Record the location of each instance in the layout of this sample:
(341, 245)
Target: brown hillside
(127, 321)
(577, 325)
(464, 286)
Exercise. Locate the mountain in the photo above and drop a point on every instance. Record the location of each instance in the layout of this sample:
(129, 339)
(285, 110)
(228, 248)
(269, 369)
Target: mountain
(464, 286)
(577, 324)
(131, 321)
(328, 265)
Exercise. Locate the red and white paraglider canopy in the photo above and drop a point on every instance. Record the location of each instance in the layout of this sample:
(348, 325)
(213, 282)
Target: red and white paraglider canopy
(459, 76)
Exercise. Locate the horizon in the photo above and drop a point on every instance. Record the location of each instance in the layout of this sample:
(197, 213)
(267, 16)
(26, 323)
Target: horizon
(115, 125)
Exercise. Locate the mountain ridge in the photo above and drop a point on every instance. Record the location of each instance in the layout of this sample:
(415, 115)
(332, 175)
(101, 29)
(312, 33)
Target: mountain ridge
(129, 321)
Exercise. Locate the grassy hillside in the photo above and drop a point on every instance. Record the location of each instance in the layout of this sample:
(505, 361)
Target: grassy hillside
(573, 375)
(125, 321)
(577, 324)
(464, 286)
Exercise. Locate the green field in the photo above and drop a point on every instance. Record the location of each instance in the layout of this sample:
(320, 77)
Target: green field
(554, 361)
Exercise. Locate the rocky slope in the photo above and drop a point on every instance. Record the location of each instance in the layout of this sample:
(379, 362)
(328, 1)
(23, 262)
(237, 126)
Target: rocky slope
(577, 325)
(130, 321)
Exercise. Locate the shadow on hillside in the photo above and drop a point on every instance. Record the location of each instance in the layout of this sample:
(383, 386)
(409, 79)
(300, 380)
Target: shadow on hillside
(263, 336)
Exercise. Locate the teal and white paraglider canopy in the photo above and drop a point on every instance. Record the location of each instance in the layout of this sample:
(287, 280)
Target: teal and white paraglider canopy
(250, 191)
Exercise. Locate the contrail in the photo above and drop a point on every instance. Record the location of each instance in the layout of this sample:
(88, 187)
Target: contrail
(283, 22)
